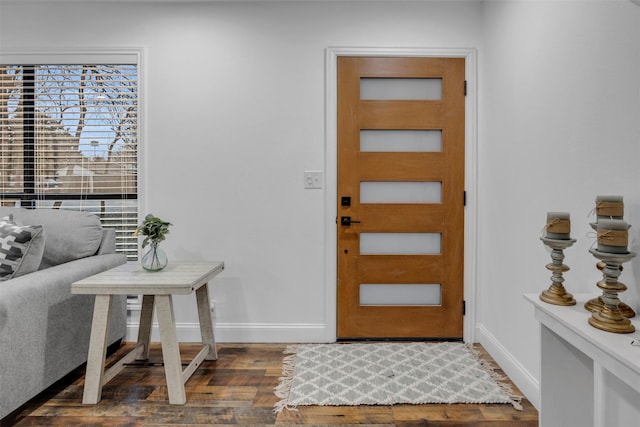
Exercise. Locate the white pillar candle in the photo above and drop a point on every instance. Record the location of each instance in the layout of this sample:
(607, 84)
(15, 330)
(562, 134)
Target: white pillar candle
(613, 236)
(558, 226)
(609, 207)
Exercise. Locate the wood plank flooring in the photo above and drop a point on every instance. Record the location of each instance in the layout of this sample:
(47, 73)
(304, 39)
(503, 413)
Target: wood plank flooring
(237, 389)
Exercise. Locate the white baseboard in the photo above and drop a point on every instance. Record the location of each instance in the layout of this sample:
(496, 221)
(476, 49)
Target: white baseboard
(526, 382)
(242, 332)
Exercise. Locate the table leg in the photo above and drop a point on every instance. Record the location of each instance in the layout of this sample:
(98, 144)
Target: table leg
(146, 319)
(206, 322)
(170, 350)
(97, 350)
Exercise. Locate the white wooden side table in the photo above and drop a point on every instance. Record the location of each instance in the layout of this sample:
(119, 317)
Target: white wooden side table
(157, 289)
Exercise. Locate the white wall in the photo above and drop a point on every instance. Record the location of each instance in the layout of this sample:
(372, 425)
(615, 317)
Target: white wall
(235, 104)
(559, 124)
(234, 113)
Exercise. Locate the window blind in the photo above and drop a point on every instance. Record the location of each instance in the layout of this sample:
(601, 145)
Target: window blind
(69, 140)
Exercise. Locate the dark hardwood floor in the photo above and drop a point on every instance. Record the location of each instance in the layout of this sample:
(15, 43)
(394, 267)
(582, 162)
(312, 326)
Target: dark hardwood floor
(237, 389)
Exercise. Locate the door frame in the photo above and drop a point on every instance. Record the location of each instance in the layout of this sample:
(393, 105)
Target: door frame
(331, 175)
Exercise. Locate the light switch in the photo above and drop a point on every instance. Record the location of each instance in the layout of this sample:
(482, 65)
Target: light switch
(312, 179)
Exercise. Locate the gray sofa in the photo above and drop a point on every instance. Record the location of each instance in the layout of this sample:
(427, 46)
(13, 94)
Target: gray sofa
(44, 329)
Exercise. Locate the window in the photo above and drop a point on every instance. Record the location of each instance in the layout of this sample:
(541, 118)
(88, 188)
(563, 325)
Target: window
(69, 140)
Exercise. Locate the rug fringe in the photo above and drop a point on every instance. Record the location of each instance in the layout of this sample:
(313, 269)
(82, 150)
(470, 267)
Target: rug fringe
(515, 400)
(283, 388)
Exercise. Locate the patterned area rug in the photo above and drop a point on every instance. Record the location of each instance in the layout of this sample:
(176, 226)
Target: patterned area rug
(386, 374)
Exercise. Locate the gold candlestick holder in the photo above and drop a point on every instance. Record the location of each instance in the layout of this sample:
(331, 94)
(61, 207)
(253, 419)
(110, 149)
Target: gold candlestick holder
(596, 304)
(557, 294)
(609, 318)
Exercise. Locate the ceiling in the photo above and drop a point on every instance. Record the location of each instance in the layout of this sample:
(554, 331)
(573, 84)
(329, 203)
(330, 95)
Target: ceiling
(637, 2)
(229, 1)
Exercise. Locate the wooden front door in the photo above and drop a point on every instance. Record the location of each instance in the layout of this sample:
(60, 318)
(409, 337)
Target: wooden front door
(400, 215)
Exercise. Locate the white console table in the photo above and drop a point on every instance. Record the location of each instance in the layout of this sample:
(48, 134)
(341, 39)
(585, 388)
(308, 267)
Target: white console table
(588, 377)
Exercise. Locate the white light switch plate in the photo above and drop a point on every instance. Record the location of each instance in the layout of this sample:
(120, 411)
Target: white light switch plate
(312, 179)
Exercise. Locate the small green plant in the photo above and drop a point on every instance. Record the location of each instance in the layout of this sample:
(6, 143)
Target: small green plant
(154, 229)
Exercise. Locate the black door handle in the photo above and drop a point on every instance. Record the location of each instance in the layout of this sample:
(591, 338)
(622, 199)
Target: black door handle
(346, 220)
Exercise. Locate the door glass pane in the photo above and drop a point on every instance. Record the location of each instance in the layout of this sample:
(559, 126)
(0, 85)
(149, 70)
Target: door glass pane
(401, 89)
(401, 140)
(401, 192)
(400, 243)
(400, 294)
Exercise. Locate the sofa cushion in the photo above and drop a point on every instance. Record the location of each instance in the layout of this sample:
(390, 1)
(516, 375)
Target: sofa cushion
(21, 248)
(71, 235)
